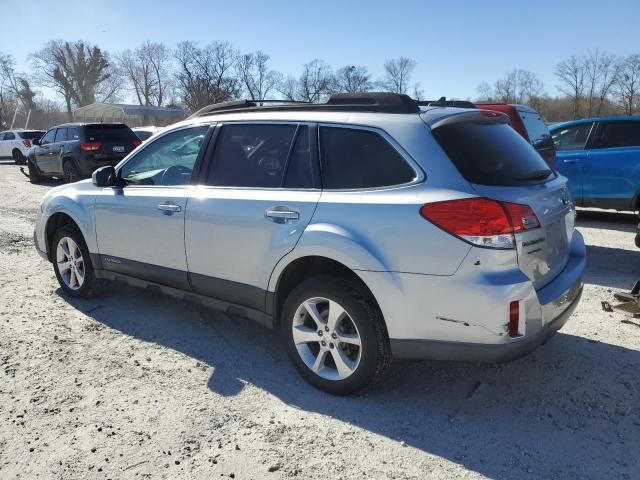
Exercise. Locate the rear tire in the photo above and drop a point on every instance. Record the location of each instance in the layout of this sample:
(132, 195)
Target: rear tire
(71, 173)
(18, 157)
(335, 335)
(34, 174)
(72, 264)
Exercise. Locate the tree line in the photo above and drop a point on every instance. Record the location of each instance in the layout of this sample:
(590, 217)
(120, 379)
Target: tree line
(191, 76)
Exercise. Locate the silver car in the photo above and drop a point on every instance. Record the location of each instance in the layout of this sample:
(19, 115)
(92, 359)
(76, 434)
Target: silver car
(366, 228)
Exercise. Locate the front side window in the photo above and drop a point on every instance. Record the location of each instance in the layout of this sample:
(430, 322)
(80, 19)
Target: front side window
(61, 135)
(573, 137)
(255, 155)
(353, 158)
(619, 134)
(168, 160)
(48, 137)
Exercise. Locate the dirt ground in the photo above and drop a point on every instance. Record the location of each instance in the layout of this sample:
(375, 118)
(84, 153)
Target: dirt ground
(136, 385)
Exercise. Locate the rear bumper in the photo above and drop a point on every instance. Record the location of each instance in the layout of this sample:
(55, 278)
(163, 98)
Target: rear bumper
(482, 352)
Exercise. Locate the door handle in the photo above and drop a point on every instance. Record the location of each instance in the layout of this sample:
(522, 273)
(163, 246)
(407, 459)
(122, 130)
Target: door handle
(169, 207)
(281, 214)
(571, 161)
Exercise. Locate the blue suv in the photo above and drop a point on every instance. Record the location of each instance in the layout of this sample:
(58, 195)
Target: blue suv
(601, 159)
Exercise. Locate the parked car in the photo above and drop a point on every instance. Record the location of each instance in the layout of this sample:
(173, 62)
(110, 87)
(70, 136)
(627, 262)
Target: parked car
(601, 159)
(528, 123)
(144, 133)
(16, 143)
(362, 229)
(74, 150)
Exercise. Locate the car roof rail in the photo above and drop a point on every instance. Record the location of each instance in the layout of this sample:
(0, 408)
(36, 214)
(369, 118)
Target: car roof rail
(443, 102)
(382, 102)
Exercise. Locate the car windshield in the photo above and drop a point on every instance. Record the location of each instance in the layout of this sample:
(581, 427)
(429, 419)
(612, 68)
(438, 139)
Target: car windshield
(30, 135)
(492, 154)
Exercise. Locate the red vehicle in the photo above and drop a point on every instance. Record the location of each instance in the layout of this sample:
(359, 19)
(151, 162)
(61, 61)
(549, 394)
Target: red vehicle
(528, 123)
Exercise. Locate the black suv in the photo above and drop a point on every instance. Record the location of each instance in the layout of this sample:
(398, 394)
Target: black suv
(75, 150)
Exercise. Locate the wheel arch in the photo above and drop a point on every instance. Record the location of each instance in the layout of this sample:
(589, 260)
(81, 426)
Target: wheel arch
(70, 213)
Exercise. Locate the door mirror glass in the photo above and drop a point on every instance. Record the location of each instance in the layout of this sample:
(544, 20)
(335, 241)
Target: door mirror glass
(104, 177)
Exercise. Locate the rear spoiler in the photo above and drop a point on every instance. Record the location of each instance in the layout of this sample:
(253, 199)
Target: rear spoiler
(478, 116)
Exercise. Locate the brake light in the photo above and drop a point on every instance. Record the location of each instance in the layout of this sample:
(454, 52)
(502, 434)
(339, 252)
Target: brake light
(136, 143)
(90, 146)
(26, 143)
(481, 221)
(514, 319)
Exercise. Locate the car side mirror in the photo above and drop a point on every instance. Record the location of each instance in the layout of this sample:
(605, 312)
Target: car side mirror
(35, 141)
(104, 177)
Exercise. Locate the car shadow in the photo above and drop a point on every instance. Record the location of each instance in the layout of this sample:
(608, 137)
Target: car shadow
(612, 267)
(567, 408)
(608, 220)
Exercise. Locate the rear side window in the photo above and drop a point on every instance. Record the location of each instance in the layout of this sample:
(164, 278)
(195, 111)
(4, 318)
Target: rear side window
(9, 136)
(573, 137)
(61, 135)
(256, 155)
(107, 133)
(537, 131)
(491, 154)
(353, 158)
(31, 135)
(619, 134)
(73, 133)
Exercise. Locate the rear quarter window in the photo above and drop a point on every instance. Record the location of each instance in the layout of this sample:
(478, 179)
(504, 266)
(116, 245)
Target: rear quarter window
(490, 154)
(356, 158)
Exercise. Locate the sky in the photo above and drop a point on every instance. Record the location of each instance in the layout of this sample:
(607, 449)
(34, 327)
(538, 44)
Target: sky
(456, 44)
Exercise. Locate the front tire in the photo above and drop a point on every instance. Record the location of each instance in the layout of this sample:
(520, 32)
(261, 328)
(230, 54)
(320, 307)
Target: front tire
(72, 264)
(71, 173)
(34, 174)
(335, 335)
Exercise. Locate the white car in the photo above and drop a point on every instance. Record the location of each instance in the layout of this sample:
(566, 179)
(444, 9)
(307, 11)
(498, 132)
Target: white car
(15, 143)
(144, 133)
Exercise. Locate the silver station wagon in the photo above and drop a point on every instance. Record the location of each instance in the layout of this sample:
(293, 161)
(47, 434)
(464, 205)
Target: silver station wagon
(365, 228)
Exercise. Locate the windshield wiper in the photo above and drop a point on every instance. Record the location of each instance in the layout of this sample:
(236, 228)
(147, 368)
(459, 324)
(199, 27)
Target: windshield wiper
(537, 175)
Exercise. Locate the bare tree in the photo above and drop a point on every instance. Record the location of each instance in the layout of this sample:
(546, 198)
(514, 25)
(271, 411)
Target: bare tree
(78, 71)
(353, 79)
(397, 75)
(627, 84)
(572, 74)
(518, 86)
(315, 84)
(16, 84)
(147, 71)
(254, 75)
(601, 71)
(205, 75)
(485, 92)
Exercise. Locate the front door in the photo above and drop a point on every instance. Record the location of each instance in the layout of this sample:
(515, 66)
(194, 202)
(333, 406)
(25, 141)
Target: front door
(140, 225)
(260, 192)
(44, 152)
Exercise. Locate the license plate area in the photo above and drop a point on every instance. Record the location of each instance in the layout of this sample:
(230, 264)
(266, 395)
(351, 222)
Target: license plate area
(118, 149)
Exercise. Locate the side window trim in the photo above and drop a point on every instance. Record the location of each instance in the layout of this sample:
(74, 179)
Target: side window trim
(420, 175)
(205, 169)
(146, 145)
(594, 136)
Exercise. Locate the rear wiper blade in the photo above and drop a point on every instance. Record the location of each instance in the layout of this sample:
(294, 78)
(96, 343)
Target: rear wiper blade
(537, 175)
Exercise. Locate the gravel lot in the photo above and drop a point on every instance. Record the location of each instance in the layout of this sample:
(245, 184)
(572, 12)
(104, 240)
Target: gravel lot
(136, 385)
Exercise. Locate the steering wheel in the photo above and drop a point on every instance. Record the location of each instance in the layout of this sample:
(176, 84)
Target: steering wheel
(176, 175)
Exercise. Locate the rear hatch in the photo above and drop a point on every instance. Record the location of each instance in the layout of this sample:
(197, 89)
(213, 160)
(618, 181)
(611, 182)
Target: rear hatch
(109, 142)
(501, 165)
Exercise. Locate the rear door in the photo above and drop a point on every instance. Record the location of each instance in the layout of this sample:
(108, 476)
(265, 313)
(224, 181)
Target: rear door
(611, 171)
(259, 193)
(501, 165)
(571, 153)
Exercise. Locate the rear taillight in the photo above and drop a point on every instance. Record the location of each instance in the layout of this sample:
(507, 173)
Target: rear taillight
(90, 146)
(482, 221)
(26, 143)
(514, 319)
(136, 143)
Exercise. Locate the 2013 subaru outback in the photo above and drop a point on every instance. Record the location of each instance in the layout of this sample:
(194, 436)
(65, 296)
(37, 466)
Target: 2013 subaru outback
(365, 228)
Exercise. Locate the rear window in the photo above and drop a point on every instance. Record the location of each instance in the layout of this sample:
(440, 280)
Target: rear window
(536, 130)
(105, 133)
(31, 135)
(491, 154)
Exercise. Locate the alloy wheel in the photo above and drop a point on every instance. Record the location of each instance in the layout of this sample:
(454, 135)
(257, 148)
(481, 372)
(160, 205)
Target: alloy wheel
(326, 338)
(70, 263)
